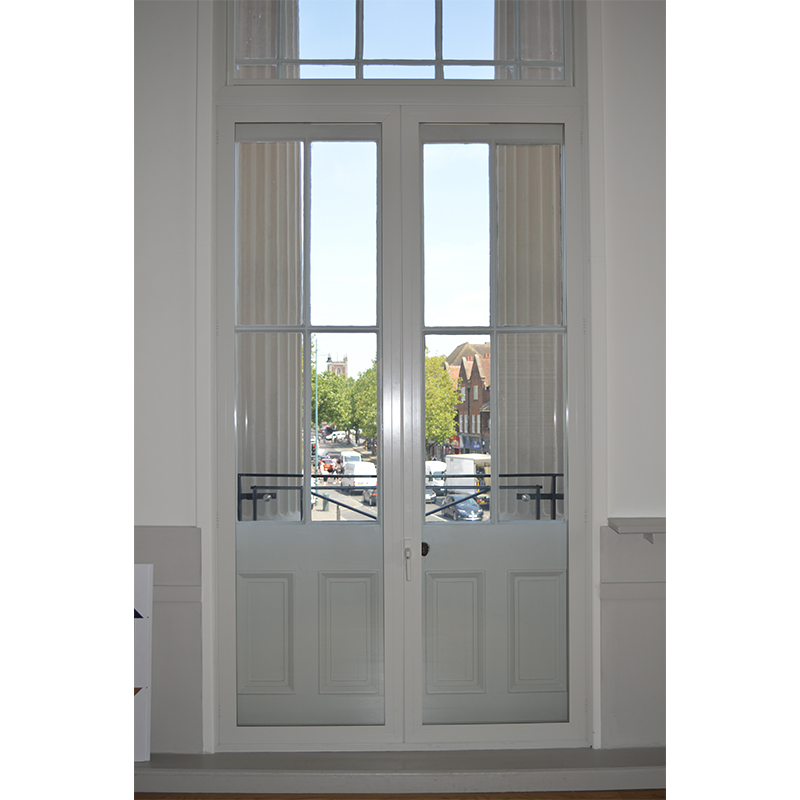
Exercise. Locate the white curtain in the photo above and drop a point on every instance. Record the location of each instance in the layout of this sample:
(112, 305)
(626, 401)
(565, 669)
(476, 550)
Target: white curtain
(530, 431)
(257, 35)
(269, 270)
(537, 34)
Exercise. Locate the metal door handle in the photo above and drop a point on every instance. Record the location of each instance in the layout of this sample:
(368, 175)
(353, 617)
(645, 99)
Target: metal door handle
(407, 553)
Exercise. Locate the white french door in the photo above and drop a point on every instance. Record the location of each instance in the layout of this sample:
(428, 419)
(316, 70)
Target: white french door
(387, 240)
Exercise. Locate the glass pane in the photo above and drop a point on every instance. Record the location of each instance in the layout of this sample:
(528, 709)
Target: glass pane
(327, 71)
(327, 29)
(269, 432)
(401, 29)
(269, 233)
(468, 29)
(529, 434)
(270, 35)
(542, 73)
(343, 247)
(391, 71)
(255, 34)
(467, 73)
(541, 25)
(344, 415)
(529, 250)
(457, 427)
(456, 231)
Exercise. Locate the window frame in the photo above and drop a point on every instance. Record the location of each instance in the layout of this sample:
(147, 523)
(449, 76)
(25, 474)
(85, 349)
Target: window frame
(403, 107)
(567, 81)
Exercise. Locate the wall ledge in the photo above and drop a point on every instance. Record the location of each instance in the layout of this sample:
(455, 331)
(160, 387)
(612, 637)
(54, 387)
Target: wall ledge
(406, 772)
(644, 526)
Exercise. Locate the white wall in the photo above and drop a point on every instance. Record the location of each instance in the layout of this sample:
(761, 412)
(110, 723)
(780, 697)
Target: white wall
(166, 468)
(634, 54)
(165, 122)
(628, 208)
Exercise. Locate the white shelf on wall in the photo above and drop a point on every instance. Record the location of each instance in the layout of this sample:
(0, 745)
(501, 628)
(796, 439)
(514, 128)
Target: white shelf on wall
(643, 526)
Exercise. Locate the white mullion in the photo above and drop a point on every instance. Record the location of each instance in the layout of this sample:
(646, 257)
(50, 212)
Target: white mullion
(494, 282)
(306, 421)
(359, 55)
(438, 23)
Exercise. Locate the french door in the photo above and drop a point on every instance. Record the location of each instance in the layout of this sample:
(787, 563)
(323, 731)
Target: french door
(402, 548)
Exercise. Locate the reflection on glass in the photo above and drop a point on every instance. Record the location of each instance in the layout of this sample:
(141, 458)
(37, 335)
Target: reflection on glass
(343, 247)
(468, 30)
(529, 430)
(529, 252)
(458, 465)
(400, 29)
(268, 427)
(344, 426)
(269, 233)
(456, 231)
(327, 29)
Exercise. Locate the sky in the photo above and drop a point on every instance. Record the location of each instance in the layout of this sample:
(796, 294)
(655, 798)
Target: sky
(344, 179)
(344, 246)
(394, 29)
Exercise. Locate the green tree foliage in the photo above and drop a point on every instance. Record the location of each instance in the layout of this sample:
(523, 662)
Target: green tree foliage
(330, 390)
(352, 403)
(441, 401)
(364, 402)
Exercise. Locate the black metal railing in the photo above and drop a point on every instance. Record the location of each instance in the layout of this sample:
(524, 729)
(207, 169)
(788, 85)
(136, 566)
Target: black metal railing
(528, 491)
(262, 490)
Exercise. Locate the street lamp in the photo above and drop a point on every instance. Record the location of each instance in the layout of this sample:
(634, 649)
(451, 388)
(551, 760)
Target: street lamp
(316, 409)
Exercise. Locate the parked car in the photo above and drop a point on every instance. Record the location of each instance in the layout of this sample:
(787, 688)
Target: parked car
(483, 500)
(369, 497)
(430, 494)
(467, 510)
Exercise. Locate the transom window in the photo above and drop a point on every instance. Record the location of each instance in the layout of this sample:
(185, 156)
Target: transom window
(508, 40)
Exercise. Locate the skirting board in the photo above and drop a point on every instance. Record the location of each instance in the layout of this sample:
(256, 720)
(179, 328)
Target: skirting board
(417, 772)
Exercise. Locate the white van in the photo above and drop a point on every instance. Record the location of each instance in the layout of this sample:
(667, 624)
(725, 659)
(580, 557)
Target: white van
(434, 475)
(358, 475)
(349, 455)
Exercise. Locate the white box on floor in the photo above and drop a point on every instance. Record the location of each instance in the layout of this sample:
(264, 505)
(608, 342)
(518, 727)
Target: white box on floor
(142, 658)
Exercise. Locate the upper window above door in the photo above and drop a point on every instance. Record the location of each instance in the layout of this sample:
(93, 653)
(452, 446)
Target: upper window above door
(437, 40)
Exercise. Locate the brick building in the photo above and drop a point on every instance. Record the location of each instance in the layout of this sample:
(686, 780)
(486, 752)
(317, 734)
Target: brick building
(472, 364)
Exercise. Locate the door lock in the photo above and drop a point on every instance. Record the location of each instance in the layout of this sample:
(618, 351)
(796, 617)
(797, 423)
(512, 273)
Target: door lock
(425, 548)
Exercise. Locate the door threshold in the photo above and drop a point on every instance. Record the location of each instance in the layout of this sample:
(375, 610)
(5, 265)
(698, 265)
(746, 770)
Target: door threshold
(404, 772)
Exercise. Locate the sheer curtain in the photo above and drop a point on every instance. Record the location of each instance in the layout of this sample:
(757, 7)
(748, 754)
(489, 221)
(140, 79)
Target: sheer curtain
(257, 36)
(530, 365)
(269, 270)
(526, 31)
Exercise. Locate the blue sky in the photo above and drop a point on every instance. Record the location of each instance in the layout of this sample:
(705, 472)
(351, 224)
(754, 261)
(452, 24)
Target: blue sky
(344, 246)
(394, 29)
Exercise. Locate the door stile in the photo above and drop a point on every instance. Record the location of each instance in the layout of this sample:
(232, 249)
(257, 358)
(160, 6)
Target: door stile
(413, 413)
(391, 343)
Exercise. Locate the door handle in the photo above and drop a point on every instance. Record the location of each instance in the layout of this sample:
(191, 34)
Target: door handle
(407, 553)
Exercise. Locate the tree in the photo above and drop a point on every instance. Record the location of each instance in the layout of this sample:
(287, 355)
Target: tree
(441, 401)
(330, 390)
(364, 402)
